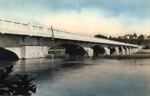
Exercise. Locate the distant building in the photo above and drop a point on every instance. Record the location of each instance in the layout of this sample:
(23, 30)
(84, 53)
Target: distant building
(130, 36)
(127, 36)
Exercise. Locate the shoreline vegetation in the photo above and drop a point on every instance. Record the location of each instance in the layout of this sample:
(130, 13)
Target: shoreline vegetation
(133, 56)
(141, 40)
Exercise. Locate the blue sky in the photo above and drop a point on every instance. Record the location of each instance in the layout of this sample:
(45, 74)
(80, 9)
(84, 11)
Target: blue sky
(91, 17)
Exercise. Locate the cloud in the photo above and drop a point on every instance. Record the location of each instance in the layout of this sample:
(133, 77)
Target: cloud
(91, 17)
(93, 21)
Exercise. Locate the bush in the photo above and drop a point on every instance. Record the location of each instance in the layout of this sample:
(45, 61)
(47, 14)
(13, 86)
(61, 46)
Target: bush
(23, 86)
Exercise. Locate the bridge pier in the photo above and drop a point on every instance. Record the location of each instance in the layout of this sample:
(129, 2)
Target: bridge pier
(129, 50)
(126, 50)
(114, 50)
(107, 51)
(89, 52)
(121, 51)
(26, 52)
(117, 51)
(34, 51)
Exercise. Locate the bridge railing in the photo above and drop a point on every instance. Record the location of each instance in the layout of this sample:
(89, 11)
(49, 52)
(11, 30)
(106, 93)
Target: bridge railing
(28, 27)
(70, 35)
(13, 25)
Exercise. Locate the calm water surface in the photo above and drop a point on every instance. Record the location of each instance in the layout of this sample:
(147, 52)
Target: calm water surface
(88, 77)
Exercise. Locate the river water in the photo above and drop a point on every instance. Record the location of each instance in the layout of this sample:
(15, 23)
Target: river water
(86, 77)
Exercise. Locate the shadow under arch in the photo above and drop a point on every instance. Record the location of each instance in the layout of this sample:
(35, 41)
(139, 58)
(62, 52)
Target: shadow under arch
(73, 50)
(7, 55)
(98, 50)
(112, 49)
(120, 49)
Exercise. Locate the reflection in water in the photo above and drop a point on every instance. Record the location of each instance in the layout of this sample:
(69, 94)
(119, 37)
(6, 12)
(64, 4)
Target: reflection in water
(103, 77)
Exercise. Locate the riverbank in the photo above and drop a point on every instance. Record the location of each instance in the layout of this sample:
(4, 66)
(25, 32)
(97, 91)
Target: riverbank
(133, 56)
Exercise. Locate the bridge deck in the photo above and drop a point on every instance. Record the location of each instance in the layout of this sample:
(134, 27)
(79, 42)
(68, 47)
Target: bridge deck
(9, 27)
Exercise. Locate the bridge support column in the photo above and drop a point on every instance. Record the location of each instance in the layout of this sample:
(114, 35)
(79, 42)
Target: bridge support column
(33, 51)
(89, 52)
(117, 51)
(122, 52)
(129, 50)
(107, 51)
(126, 51)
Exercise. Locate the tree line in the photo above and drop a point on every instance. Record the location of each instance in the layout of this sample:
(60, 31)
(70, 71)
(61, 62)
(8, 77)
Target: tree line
(138, 41)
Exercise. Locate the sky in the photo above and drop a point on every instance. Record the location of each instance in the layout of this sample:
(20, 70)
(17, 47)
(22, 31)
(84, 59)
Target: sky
(89, 17)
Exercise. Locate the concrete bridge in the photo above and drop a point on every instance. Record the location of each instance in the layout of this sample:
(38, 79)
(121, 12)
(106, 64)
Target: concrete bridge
(25, 40)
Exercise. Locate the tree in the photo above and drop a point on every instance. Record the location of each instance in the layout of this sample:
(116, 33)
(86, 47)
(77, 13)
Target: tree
(110, 37)
(147, 46)
(101, 36)
(135, 35)
(141, 37)
(23, 86)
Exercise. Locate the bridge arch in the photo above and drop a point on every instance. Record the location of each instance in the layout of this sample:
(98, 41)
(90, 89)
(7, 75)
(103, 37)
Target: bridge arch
(121, 50)
(73, 50)
(7, 55)
(98, 50)
(112, 50)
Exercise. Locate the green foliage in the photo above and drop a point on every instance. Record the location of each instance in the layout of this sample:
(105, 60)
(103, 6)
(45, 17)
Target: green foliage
(57, 47)
(23, 86)
(110, 37)
(134, 41)
(4, 74)
(141, 37)
(135, 35)
(146, 46)
(140, 41)
(101, 36)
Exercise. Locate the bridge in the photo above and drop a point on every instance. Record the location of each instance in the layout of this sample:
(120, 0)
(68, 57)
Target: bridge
(25, 40)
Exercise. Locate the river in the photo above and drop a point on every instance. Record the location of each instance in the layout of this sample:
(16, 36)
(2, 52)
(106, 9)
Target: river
(86, 77)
